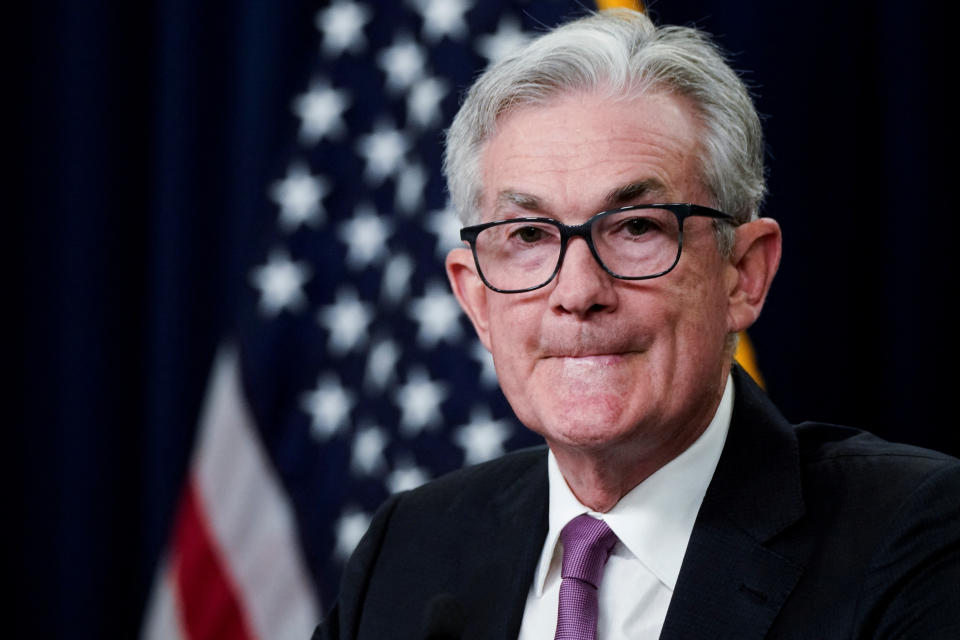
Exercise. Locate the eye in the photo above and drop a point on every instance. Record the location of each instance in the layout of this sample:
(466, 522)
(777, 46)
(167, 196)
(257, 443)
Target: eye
(529, 234)
(638, 226)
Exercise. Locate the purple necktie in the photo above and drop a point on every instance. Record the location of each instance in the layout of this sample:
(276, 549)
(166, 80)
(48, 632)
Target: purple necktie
(587, 543)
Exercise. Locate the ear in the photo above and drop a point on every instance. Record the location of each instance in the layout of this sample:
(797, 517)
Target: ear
(470, 291)
(754, 262)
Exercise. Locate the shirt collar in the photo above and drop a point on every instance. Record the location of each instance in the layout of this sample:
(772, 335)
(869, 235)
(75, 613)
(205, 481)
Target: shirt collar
(655, 519)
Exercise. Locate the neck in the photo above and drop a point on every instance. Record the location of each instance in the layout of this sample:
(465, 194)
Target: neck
(600, 479)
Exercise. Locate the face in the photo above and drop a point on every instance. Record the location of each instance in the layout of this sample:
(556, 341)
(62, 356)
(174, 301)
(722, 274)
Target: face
(591, 361)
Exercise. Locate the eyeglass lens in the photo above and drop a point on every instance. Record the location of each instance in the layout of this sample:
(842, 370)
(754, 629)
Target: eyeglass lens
(631, 244)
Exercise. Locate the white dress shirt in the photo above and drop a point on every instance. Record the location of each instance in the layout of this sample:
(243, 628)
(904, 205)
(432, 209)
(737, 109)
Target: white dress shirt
(653, 524)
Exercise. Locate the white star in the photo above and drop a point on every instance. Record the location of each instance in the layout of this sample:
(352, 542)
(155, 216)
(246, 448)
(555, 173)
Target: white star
(329, 406)
(396, 278)
(365, 235)
(483, 438)
(342, 26)
(410, 184)
(419, 402)
(350, 528)
(444, 224)
(300, 197)
(368, 445)
(321, 112)
(508, 38)
(381, 365)
(347, 320)
(403, 63)
(280, 282)
(423, 102)
(443, 18)
(488, 372)
(405, 477)
(383, 151)
(438, 315)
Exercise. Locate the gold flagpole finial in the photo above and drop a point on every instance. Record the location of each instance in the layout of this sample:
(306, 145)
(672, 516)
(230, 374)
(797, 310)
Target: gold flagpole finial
(636, 5)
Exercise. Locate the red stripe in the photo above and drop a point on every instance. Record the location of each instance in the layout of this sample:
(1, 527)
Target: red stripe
(208, 600)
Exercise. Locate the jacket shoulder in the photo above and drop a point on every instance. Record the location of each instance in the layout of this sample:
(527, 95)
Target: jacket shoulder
(478, 483)
(452, 539)
(826, 445)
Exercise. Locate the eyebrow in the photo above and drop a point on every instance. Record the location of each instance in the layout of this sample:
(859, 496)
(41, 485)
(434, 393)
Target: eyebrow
(630, 193)
(524, 201)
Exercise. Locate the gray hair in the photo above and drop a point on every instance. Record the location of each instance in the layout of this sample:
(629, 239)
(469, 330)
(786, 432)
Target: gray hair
(622, 54)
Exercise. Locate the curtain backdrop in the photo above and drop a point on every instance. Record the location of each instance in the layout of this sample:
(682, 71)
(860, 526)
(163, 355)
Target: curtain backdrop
(154, 129)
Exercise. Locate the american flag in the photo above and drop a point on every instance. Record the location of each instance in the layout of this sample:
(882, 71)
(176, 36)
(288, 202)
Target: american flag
(353, 374)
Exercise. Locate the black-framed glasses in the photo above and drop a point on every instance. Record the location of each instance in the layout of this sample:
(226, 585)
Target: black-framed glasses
(638, 242)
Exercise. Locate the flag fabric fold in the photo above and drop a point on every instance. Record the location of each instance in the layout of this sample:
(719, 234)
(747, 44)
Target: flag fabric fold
(234, 569)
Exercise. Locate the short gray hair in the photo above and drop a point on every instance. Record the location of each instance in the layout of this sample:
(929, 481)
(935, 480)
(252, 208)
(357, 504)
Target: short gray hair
(623, 54)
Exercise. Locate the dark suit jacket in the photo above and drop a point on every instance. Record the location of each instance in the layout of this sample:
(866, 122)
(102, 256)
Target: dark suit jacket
(815, 531)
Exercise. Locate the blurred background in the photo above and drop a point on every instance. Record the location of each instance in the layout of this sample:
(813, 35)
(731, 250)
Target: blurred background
(198, 176)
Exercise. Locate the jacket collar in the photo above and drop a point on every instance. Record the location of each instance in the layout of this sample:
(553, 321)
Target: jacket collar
(730, 584)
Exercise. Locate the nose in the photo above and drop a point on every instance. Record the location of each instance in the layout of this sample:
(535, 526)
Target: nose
(582, 288)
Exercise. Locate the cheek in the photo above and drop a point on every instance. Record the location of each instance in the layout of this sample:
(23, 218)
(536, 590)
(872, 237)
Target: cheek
(686, 317)
(700, 318)
(513, 334)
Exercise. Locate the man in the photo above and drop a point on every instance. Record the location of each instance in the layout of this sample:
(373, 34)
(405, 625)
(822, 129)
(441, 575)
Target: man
(695, 510)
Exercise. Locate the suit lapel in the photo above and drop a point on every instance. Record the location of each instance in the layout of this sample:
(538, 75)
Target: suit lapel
(500, 580)
(730, 584)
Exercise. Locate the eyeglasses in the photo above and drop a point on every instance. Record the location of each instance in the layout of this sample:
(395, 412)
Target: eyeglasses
(638, 242)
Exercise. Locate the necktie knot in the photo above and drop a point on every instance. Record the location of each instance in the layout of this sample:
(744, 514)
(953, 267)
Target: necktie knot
(587, 543)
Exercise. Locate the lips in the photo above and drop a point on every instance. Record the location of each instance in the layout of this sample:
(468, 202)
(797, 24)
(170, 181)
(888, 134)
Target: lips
(596, 358)
(605, 356)
(587, 364)
(590, 343)
(573, 350)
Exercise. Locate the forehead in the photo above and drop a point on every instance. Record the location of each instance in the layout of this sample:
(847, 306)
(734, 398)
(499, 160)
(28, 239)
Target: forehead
(586, 150)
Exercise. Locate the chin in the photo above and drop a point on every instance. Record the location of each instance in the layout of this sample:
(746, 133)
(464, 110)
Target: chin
(586, 429)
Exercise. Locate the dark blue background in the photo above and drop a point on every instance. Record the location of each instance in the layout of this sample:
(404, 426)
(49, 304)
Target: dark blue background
(154, 127)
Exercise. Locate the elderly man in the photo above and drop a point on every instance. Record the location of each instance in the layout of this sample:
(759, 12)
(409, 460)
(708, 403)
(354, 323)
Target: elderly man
(610, 176)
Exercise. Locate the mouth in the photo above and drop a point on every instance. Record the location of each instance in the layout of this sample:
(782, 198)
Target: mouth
(598, 358)
(585, 363)
(592, 352)
(593, 346)
(586, 369)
